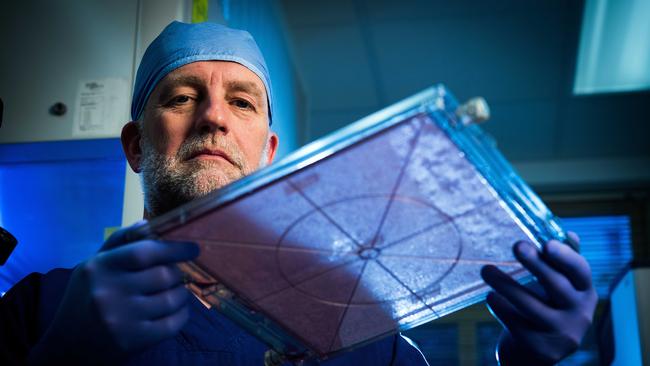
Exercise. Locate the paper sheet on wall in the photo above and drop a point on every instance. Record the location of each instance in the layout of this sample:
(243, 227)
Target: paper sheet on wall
(102, 107)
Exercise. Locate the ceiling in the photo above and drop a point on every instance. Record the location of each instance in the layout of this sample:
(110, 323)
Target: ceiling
(355, 57)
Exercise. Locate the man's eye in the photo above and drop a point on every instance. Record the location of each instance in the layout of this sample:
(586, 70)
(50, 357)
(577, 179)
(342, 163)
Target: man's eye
(240, 103)
(180, 99)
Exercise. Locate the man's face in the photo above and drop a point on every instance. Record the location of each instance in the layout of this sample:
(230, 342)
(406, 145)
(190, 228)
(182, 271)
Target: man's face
(204, 126)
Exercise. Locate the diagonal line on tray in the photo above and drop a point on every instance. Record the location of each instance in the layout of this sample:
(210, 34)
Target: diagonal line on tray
(345, 311)
(308, 278)
(431, 227)
(406, 287)
(395, 187)
(322, 212)
(413, 235)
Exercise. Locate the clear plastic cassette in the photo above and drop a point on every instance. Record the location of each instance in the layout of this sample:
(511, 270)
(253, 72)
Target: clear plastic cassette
(377, 228)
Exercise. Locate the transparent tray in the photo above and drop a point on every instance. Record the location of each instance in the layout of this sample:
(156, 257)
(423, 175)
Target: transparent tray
(374, 229)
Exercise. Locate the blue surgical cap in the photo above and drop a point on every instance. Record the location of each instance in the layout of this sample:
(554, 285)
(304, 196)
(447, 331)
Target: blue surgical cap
(181, 43)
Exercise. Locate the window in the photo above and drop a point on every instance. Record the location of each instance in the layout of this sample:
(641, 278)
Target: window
(606, 243)
(614, 51)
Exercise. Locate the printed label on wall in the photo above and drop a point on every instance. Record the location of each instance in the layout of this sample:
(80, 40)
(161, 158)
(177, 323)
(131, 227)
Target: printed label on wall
(102, 107)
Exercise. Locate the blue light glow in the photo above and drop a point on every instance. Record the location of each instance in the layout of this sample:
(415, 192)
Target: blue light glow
(56, 199)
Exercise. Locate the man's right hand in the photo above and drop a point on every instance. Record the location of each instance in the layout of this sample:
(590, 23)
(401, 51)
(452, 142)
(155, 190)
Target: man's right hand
(127, 297)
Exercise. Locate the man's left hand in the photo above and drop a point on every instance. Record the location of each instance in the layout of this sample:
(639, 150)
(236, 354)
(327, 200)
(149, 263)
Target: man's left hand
(542, 325)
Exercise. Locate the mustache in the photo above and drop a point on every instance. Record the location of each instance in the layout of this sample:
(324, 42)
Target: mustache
(195, 144)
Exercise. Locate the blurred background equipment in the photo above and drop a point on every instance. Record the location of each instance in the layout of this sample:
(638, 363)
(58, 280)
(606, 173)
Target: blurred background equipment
(630, 319)
(7, 244)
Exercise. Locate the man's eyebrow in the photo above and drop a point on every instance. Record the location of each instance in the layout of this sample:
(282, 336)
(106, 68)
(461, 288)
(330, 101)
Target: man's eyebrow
(174, 81)
(246, 87)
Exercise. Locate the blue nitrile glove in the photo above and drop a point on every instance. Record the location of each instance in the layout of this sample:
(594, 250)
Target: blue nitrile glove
(127, 297)
(544, 324)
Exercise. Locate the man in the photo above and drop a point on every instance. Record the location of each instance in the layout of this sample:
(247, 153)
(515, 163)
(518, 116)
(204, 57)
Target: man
(201, 110)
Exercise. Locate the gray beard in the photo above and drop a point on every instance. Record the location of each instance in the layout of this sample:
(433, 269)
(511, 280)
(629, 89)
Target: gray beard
(169, 182)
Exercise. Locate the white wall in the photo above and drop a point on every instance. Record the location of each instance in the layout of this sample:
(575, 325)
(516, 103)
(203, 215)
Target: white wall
(49, 50)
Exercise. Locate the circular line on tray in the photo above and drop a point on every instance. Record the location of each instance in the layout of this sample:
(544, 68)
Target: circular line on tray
(320, 210)
(299, 285)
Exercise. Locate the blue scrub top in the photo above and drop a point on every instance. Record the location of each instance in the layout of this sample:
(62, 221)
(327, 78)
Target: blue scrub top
(208, 338)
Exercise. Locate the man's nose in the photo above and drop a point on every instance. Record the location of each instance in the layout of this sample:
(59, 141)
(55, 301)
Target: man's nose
(212, 116)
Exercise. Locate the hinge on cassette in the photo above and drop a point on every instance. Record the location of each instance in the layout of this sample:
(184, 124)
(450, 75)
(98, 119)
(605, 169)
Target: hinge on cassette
(475, 110)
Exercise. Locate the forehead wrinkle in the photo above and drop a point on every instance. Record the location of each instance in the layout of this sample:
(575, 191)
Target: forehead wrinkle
(172, 81)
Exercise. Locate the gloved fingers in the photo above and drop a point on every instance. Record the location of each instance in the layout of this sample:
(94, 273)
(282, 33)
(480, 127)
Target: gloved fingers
(153, 280)
(162, 304)
(574, 239)
(167, 326)
(517, 326)
(143, 254)
(557, 287)
(505, 312)
(570, 263)
(527, 304)
(538, 290)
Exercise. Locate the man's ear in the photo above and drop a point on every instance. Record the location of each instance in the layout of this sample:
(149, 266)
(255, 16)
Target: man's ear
(273, 141)
(131, 145)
